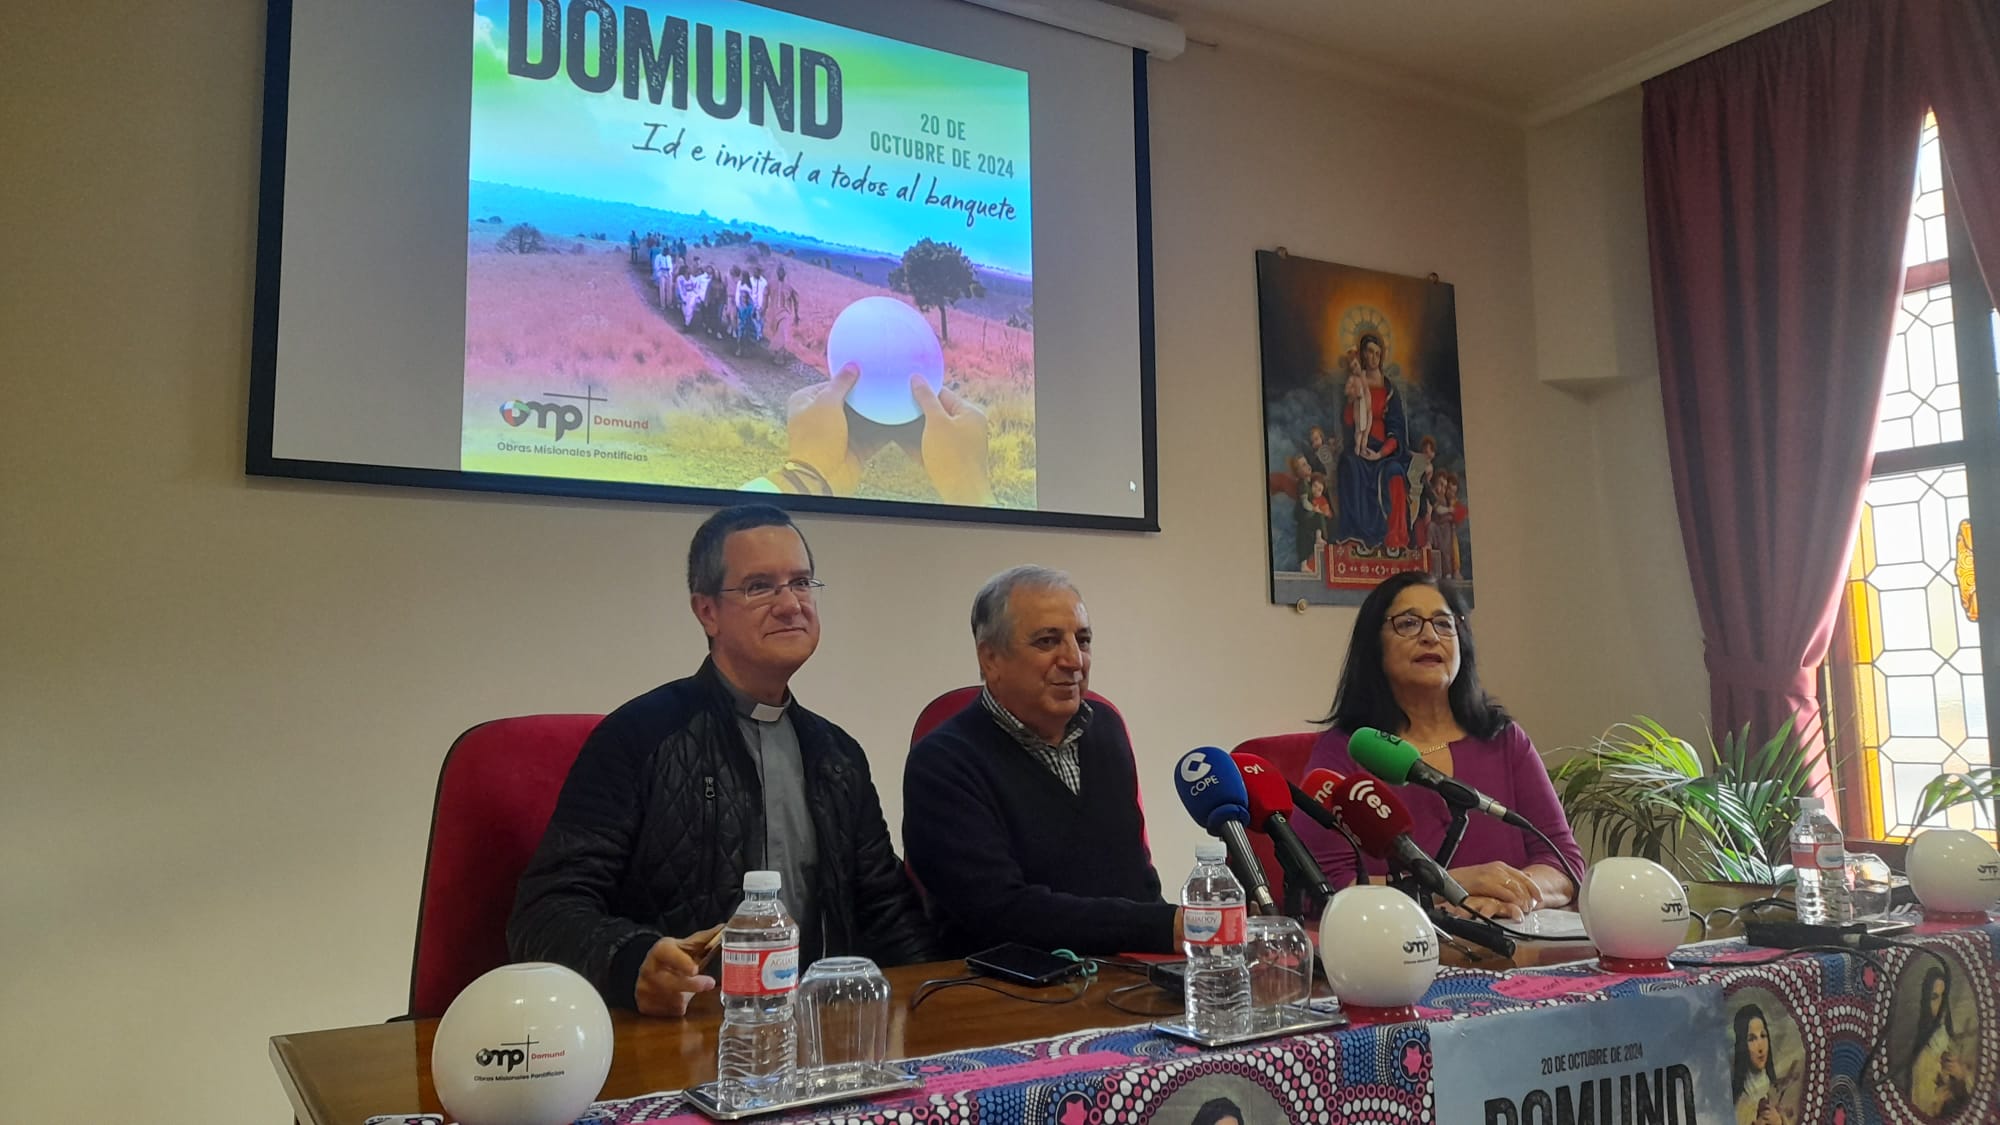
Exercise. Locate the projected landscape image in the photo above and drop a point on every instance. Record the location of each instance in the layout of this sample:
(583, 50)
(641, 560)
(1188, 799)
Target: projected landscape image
(675, 242)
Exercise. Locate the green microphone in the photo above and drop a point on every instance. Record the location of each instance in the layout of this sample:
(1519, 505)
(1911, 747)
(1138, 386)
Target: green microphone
(1398, 763)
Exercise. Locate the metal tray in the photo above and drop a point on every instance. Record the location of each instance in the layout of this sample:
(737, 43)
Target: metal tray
(885, 1080)
(1292, 1019)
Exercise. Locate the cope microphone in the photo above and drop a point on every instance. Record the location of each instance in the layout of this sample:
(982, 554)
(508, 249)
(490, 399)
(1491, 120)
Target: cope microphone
(1211, 787)
(1398, 763)
(1270, 797)
(1382, 825)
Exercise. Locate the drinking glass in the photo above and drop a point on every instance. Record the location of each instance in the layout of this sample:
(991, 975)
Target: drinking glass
(1869, 877)
(1281, 966)
(843, 1014)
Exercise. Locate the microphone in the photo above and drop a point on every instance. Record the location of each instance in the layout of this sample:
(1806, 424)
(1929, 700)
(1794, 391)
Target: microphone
(1313, 800)
(1316, 801)
(1270, 795)
(1398, 763)
(1211, 787)
(1382, 824)
(1321, 786)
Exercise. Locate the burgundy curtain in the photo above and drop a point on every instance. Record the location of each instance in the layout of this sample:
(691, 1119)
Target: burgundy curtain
(1778, 177)
(1959, 42)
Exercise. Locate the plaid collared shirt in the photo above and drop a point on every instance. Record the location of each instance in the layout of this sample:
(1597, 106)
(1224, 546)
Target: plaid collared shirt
(1061, 758)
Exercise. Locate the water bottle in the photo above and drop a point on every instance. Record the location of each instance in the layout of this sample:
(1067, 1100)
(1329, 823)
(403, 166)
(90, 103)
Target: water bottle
(757, 1047)
(1820, 859)
(1212, 923)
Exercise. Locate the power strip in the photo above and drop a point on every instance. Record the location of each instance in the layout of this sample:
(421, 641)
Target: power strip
(1796, 935)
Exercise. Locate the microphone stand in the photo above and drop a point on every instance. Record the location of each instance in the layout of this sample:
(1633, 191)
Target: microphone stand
(1480, 931)
(1453, 834)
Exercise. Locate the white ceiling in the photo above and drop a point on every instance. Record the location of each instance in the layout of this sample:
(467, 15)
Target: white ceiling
(1524, 60)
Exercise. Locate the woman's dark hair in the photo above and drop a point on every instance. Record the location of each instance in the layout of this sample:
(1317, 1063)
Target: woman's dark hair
(1216, 1109)
(1739, 1059)
(1364, 699)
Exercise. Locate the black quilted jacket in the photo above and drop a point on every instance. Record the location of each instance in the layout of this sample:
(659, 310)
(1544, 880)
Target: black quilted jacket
(663, 813)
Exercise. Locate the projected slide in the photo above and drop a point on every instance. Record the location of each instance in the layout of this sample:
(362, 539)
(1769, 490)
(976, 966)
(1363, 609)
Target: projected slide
(714, 245)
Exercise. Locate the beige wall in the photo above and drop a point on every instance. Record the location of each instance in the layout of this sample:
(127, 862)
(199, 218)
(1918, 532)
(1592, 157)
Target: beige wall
(226, 699)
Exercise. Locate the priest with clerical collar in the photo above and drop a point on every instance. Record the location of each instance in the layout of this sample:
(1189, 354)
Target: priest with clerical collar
(681, 791)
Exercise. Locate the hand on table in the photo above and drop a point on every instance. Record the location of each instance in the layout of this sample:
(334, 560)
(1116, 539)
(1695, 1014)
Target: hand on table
(672, 973)
(1498, 890)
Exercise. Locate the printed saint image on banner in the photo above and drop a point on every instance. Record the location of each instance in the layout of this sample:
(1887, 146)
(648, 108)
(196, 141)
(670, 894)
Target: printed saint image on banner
(1364, 444)
(684, 222)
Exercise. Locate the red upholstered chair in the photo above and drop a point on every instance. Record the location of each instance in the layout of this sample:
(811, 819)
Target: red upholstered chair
(1288, 753)
(495, 794)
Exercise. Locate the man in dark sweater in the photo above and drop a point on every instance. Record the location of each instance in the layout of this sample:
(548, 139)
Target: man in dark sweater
(681, 791)
(1021, 815)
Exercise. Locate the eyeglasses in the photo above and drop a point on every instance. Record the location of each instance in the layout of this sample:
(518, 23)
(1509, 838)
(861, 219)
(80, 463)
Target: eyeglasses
(758, 592)
(1412, 624)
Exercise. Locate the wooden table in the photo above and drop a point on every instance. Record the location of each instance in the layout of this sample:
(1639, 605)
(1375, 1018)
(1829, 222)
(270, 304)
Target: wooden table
(344, 1076)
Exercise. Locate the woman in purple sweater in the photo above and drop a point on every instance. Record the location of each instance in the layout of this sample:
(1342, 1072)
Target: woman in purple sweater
(1410, 672)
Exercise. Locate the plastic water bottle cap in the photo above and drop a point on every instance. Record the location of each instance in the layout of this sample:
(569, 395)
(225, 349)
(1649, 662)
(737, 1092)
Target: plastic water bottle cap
(762, 881)
(1811, 804)
(1210, 851)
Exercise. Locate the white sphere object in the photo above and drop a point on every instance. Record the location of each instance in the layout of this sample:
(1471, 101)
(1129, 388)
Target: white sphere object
(1378, 948)
(1953, 871)
(1633, 909)
(889, 341)
(524, 1044)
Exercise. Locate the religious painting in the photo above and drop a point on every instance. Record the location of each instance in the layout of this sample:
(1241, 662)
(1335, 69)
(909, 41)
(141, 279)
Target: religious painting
(1767, 1070)
(1933, 1036)
(1364, 441)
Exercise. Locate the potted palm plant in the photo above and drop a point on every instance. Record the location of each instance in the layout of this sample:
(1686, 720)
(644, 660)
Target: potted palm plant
(1980, 784)
(1724, 816)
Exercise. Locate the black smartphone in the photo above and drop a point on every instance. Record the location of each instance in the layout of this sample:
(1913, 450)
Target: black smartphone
(1022, 964)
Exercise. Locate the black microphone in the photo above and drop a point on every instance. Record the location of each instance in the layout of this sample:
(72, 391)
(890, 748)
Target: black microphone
(1382, 824)
(1270, 795)
(1211, 787)
(1397, 762)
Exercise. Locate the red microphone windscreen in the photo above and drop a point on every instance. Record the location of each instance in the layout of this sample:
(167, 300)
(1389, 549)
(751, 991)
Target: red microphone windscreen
(1323, 785)
(1268, 791)
(1374, 814)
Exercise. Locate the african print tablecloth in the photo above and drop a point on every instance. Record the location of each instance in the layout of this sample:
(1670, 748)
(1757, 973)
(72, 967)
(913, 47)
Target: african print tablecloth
(1904, 1037)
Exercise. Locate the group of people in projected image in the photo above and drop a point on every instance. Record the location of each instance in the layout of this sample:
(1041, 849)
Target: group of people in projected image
(720, 305)
(1380, 494)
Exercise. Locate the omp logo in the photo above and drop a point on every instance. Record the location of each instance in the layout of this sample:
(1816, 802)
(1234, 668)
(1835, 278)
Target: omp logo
(567, 417)
(1989, 870)
(1419, 946)
(1364, 792)
(1197, 773)
(509, 1055)
(1678, 908)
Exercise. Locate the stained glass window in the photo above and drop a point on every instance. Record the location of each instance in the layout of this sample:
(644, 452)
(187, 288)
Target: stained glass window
(1918, 699)
(1919, 680)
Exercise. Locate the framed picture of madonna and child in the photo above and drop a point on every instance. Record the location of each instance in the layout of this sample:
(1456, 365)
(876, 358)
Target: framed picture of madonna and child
(1364, 437)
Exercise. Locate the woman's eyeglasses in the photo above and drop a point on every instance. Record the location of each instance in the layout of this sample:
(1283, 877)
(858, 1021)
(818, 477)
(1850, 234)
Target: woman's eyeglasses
(1411, 624)
(756, 593)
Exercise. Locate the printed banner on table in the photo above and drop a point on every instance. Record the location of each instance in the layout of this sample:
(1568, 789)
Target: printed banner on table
(1657, 1057)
